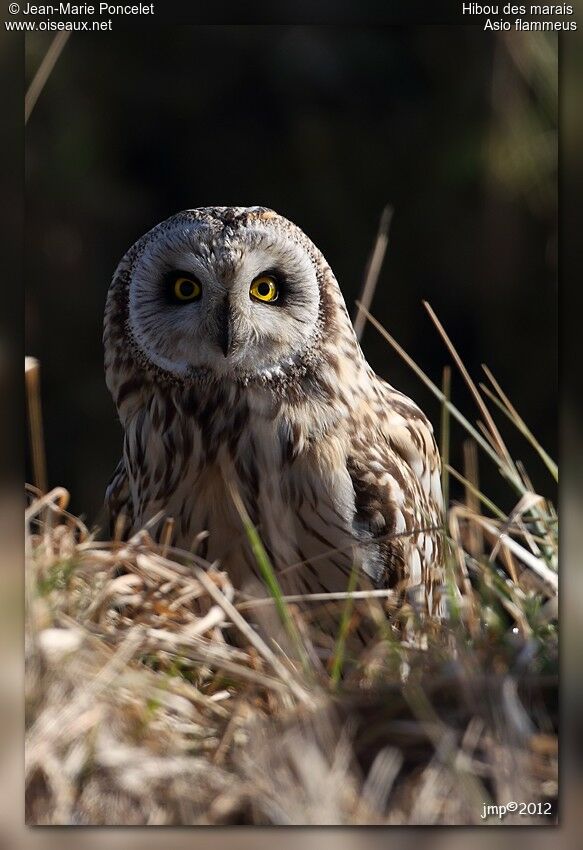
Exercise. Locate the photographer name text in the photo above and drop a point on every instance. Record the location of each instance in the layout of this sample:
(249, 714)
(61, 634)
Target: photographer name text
(87, 10)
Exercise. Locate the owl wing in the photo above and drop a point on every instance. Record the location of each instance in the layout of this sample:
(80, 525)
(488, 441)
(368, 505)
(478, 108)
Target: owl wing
(118, 499)
(395, 470)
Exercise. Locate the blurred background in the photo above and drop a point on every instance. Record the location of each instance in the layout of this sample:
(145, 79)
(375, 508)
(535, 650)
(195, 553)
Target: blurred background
(455, 128)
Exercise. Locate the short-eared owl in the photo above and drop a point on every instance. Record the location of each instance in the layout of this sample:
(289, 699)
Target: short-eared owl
(233, 364)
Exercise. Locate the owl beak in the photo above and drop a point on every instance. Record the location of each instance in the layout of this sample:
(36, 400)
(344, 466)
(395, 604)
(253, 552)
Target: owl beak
(224, 330)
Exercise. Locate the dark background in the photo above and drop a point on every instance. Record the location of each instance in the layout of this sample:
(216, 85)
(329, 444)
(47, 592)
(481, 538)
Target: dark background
(455, 128)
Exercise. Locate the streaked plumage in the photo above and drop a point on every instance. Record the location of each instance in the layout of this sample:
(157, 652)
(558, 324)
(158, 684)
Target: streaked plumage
(274, 399)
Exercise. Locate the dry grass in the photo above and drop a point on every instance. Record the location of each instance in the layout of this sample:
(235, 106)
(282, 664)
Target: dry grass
(158, 694)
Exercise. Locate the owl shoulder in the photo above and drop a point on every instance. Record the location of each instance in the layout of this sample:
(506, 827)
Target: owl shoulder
(394, 446)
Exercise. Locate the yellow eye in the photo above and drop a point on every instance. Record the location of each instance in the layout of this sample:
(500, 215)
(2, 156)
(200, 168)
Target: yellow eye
(186, 289)
(264, 288)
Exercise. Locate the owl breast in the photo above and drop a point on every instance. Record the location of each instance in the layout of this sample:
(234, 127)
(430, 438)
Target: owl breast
(186, 453)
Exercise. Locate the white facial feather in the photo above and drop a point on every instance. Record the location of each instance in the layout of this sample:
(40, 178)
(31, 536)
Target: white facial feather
(183, 337)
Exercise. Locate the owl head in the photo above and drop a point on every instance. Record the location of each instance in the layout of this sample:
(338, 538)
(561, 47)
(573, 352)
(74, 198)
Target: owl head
(227, 291)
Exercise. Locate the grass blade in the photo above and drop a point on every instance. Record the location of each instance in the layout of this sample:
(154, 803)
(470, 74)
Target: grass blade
(373, 270)
(340, 648)
(44, 72)
(35, 423)
(499, 442)
(270, 579)
(445, 436)
(504, 404)
(478, 494)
